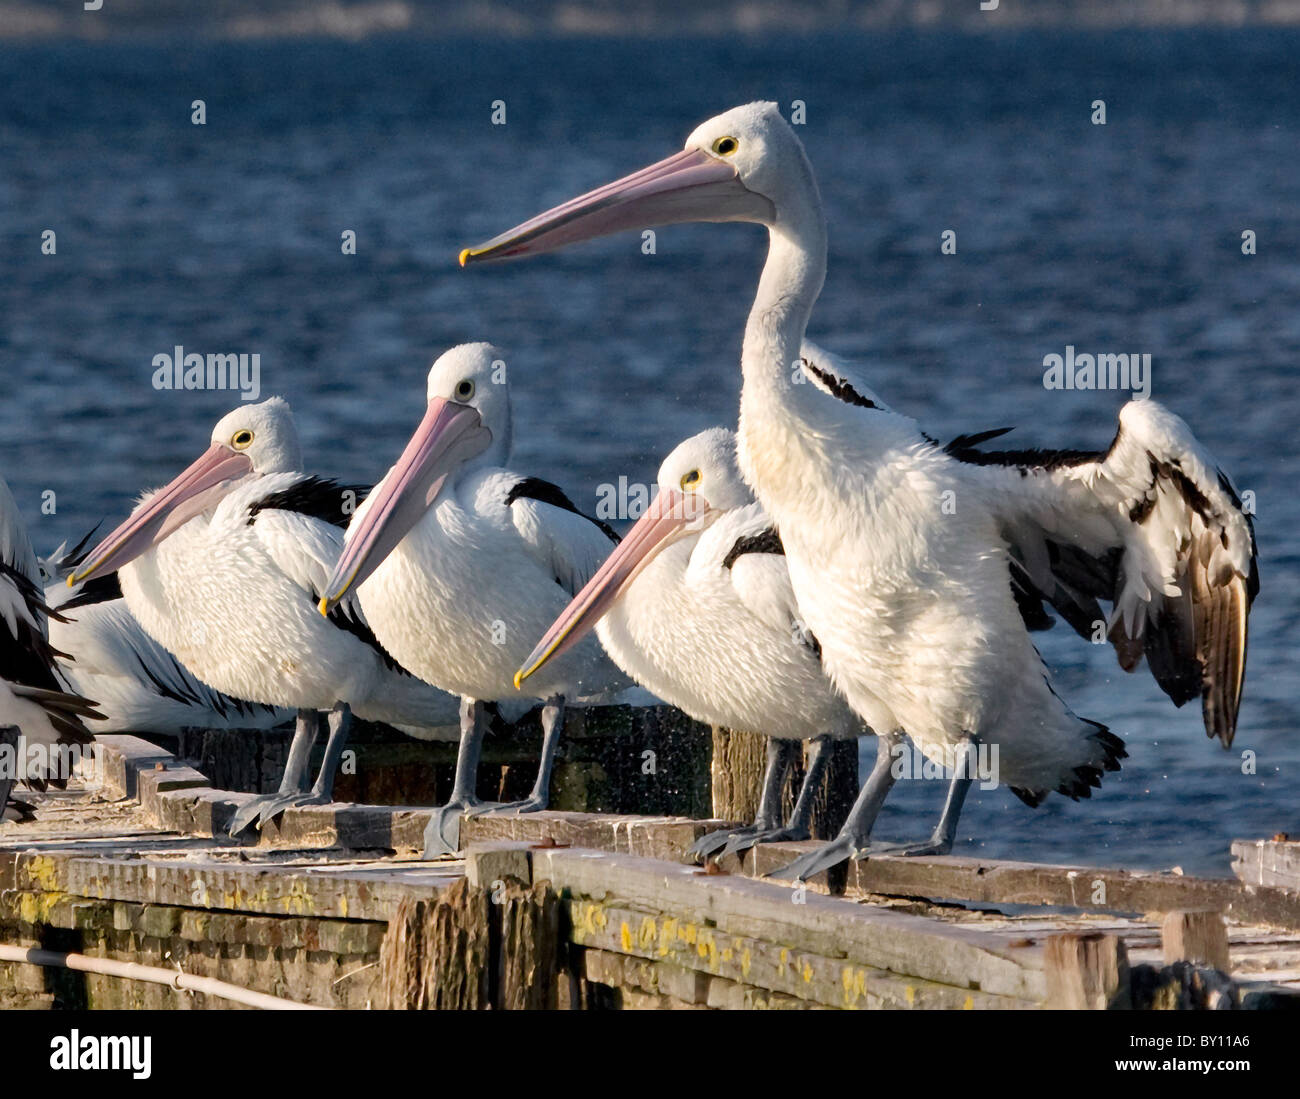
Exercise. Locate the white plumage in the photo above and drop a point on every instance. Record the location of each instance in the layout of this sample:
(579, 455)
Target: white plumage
(223, 568)
(460, 563)
(696, 605)
(138, 685)
(904, 555)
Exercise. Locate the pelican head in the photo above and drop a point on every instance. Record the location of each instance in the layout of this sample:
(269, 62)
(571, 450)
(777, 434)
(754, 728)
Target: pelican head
(698, 482)
(467, 419)
(744, 165)
(251, 441)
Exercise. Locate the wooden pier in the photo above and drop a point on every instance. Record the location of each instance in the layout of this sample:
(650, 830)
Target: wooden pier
(334, 907)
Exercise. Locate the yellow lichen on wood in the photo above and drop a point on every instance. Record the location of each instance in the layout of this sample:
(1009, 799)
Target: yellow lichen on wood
(43, 872)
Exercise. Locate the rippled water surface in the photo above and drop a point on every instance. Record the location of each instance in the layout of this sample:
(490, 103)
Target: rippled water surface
(1123, 237)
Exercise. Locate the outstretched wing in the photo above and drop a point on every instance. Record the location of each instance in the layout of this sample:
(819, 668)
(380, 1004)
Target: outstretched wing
(1150, 526)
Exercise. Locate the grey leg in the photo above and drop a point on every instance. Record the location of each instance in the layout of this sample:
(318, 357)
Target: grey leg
(855, 836)
(294, 780)
(552, 728)
(819, 759)
(780, 755)
(442, 835)
(945, 832)
(340, 725)
(339, 722)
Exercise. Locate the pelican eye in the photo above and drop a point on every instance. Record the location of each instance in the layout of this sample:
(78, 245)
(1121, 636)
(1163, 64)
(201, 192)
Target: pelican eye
(691, 480)
(242, 439)
(725, 146)
(464, 389)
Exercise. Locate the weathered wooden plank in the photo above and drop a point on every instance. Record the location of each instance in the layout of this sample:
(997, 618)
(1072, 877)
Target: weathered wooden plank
(165, 777)
(119, 758)
(1274, 862)
(267, 889)
(825, 926)
(1085, 887)
(356, 827)
(690, 986)
(487, 865)
(343, 937)
(651, 837)
(691, 944)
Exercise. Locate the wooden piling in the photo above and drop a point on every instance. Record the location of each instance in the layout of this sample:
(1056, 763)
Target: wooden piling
(1086, 972)
(1195, 936)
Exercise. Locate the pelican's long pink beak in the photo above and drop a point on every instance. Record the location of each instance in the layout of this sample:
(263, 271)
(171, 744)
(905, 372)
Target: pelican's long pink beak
(687, 186)
(667, 514)
(194, 491)
(449, 434)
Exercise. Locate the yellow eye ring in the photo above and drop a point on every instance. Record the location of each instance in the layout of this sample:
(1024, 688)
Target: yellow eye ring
(242, 439)
(464, 389)
(691, 480)
(725, 146)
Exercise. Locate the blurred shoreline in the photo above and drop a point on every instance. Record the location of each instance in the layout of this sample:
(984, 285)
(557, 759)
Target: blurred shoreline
(114, 20)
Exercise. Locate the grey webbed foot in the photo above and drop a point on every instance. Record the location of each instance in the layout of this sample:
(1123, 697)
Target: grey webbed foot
(442, 833)
(830, 854)
(261, 809)
(741, 841)
(731, 841)
(530, 804)
(709, 844)
(933, 846)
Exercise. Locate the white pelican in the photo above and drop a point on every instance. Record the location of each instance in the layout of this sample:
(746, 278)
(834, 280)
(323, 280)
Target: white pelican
(50, 719)
(695, 604)
(918, 606)
(460, 563)
(223, 568)
(137, 684)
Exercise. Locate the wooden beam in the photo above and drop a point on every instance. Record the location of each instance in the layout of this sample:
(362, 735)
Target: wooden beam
(1089, 888)
(904, 944)
(1274, 862)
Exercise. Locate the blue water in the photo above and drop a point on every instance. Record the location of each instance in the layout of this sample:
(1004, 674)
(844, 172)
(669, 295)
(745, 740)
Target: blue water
(225, 237)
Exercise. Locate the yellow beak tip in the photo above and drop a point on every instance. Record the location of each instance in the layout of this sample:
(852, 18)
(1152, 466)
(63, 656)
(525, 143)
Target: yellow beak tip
(324, 607)
(519, 679)
(464, 256)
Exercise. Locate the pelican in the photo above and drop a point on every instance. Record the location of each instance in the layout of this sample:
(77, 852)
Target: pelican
(695, 604)
(460, 563)
(223, 568)
(923, 610)
(139, 686)
(50, 719)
